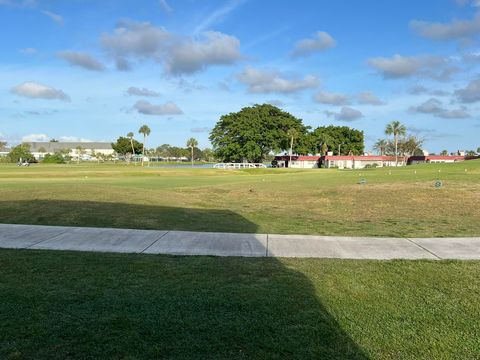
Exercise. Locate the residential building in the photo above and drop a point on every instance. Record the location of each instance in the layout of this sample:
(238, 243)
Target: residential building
(88, 149)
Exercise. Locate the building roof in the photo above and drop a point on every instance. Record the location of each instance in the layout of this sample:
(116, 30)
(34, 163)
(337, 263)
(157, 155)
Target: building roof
(338, 157)
(52, 147)
(436, 157)
(362, 157)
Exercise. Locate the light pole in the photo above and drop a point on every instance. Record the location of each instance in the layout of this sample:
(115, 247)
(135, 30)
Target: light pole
(339, 147)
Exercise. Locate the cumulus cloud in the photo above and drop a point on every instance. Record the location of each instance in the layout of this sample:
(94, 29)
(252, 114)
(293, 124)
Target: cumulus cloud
(179, 54)
(469, 94)
(320, 41)
(399, 66)
(146, 108)
(435, 107)
(35, 138)
(368, 98)
(35, 90)
(82, 60)
(55, 17)
(331, 98)
(269, 81)
(346, 114)
(135, 91)
(191, 55)
(420, 90)
(456, 29)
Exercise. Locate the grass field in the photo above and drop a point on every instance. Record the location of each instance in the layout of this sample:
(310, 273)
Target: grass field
(393, 202)
(64, 305)
(70, 305)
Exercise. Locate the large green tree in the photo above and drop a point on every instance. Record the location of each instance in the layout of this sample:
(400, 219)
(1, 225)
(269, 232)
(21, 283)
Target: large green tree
(123, 146)
(253, 132)
(22, 152)
(338, 139)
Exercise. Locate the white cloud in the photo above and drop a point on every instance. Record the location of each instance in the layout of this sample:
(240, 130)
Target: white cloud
(276, 102)
(456, 29)
(28, 51)
(146, 108)
(179, 54)
(399, 66)
(19, 3)
(200, 130)
(368, 98)
(420, 89)
(81, 59)
(55, 17)
(320, 41)
(432, 106)
(73, 139)
(165, 6)
(269, 81)
(469, 94)
(331, 98)
(135, 91)
(435, 107)
(35, 90)
(190, 55)
(346, 114)
(218, 15)
(35, 137)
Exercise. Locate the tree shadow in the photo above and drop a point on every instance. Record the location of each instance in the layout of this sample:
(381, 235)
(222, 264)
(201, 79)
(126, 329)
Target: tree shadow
(59, 304)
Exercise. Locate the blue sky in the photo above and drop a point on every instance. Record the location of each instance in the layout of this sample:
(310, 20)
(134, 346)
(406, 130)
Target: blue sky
(84, 69)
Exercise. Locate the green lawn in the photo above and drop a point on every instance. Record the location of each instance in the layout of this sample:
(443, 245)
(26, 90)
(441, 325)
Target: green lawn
(393, 202)
(65, 305)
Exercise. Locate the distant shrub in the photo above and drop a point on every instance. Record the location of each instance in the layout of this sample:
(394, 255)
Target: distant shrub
(371, 166)
(53, 159)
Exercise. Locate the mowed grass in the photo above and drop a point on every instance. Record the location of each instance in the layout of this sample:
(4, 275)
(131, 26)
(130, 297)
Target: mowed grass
(393, 202)
(65, 305)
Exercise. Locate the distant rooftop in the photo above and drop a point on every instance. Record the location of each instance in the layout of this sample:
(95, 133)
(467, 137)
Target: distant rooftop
(52, 147)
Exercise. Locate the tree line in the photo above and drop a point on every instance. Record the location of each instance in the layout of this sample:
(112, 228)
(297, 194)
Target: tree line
(255, 133)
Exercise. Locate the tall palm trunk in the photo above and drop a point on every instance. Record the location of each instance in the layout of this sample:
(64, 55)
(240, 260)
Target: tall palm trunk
(192, 156)
(133, 150)
(143, 147)
(396, 150)
(291, 152)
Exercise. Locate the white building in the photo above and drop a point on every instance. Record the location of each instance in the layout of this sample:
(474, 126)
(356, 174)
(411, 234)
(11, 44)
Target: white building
(360, 162)
(84, 150)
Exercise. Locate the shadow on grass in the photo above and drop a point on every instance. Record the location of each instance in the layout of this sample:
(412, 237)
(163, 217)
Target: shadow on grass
(60, 305)
(119, 215)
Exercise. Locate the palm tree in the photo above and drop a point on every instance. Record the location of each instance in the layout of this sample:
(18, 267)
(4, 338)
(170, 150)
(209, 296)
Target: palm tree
(192, 143)
(130, 136)
(80, 151)
(381, 146)
(145, 130)
(292, 133)
(396, 128)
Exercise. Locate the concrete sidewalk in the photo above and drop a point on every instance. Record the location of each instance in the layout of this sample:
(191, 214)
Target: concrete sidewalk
(228, 244)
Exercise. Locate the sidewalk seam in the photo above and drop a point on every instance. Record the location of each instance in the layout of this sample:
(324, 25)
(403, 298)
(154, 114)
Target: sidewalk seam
(424, 248)
(149, 246)
(50, 238)
(266, 247)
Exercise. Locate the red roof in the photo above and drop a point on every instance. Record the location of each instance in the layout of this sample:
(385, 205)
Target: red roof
(437, 157)
(363, 158)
